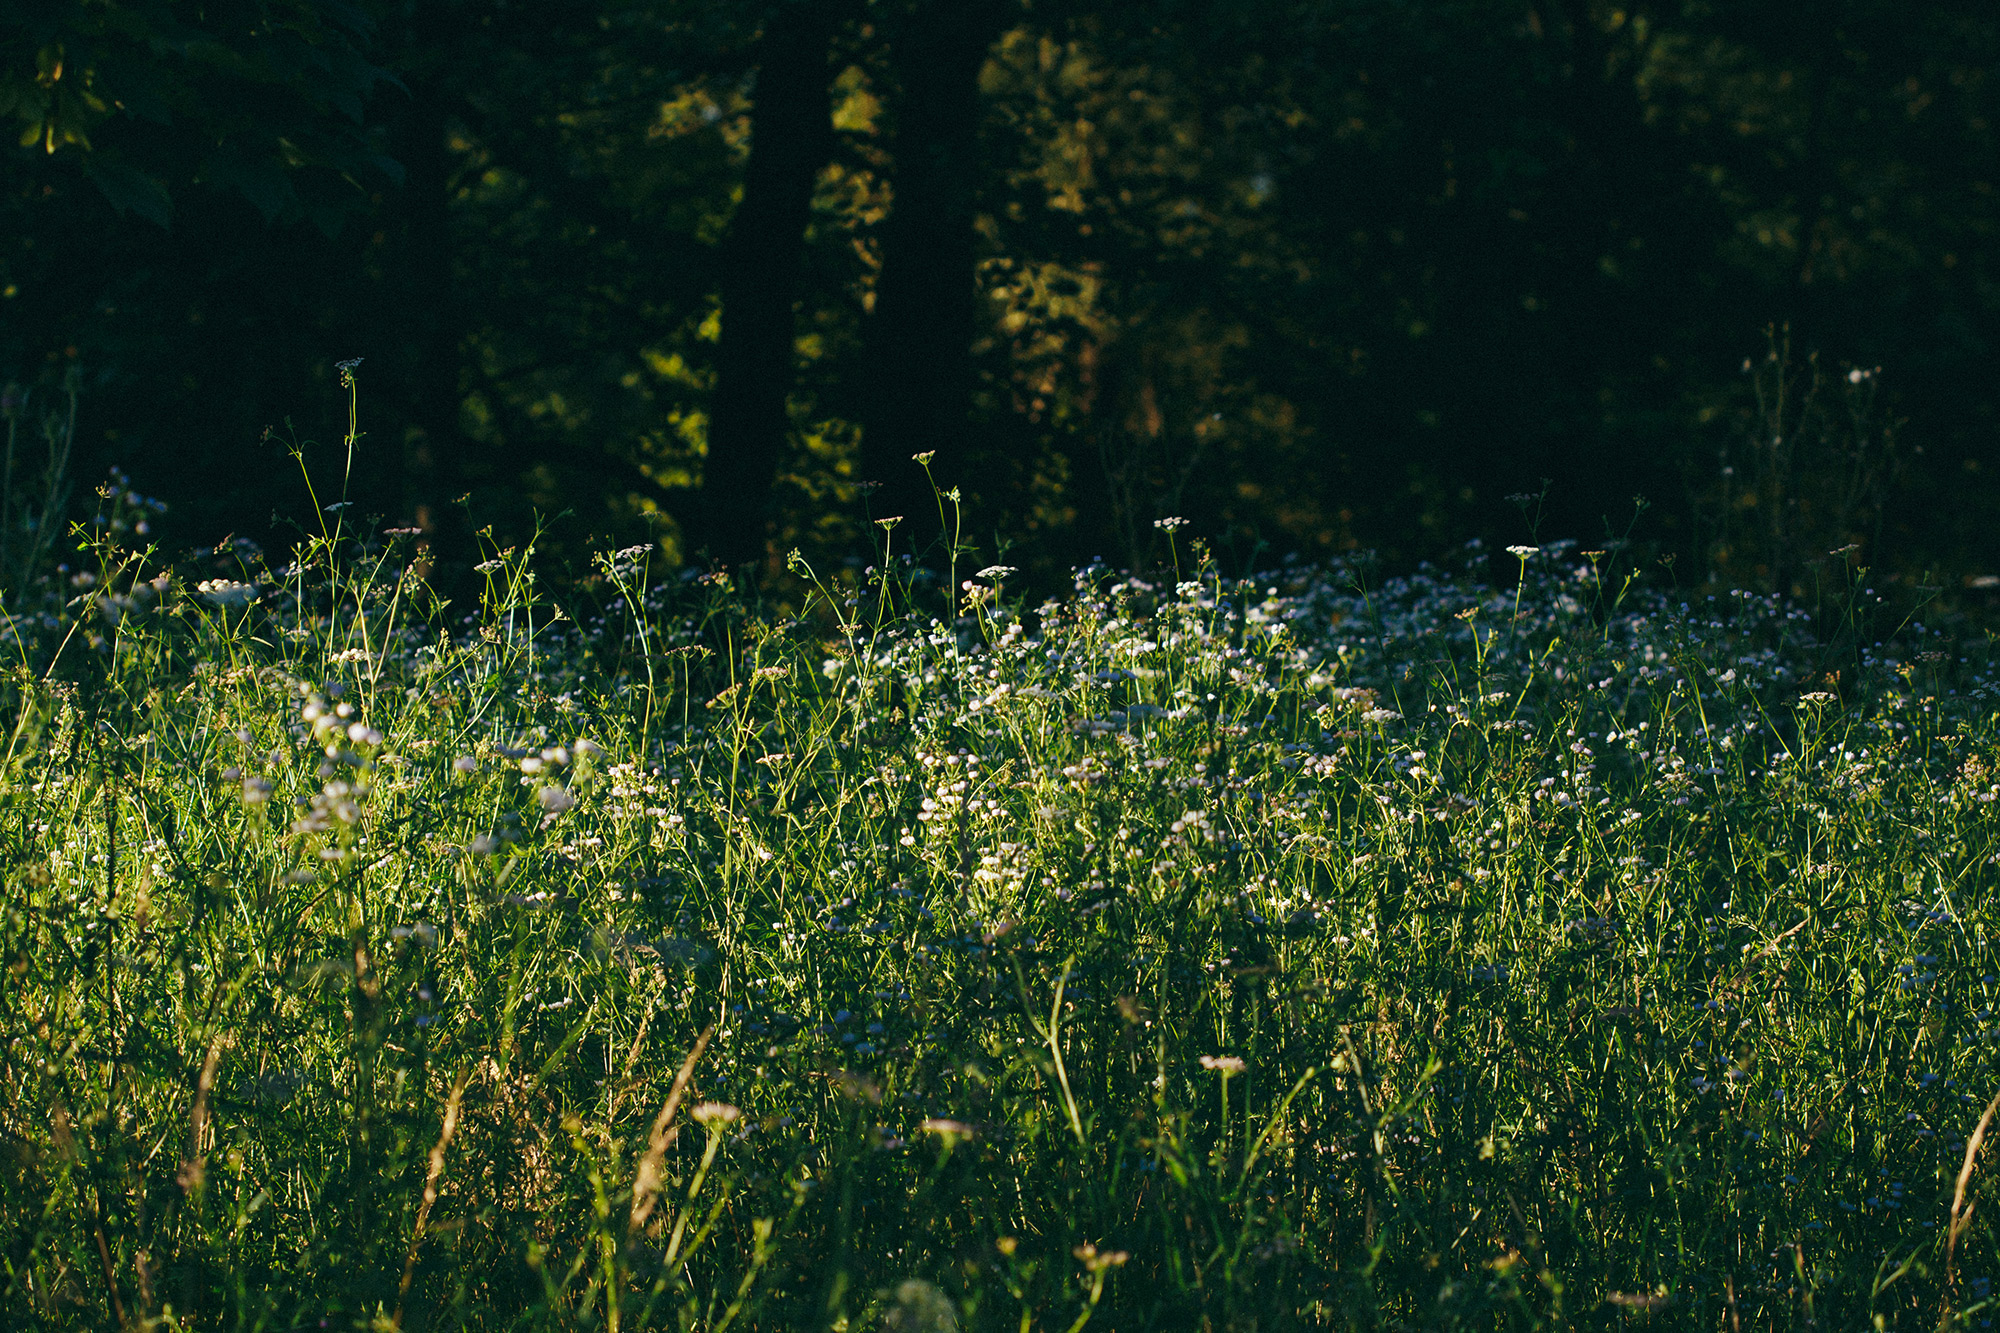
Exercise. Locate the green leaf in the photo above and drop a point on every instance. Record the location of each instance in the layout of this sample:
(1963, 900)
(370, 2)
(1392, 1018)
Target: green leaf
(264, 183)
(133, 191)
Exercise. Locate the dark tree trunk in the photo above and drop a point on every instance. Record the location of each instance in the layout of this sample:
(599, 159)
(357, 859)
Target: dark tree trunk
(436, 456)
(918, 370)
(411, 387)
(791, 139)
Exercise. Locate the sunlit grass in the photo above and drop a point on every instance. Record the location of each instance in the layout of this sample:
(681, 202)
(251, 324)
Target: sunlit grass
(1294, 951)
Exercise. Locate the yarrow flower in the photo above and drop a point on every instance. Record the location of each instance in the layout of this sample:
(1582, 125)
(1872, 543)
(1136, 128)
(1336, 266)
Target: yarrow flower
(1096, 1260)
(949, 1129)
(227, 592)
(1224, 1064)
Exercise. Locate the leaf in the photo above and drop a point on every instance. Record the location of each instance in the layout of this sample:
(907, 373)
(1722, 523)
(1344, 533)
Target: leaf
(133, 191)
(263, 183)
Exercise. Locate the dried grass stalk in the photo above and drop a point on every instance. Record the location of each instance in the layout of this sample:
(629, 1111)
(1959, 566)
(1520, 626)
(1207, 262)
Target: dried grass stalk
(646, 1181)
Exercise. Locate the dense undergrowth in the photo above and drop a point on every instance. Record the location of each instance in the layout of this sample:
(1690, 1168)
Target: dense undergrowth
(1300, 951)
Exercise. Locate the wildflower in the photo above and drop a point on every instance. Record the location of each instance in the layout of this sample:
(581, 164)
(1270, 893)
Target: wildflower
(1169, 524)
(713, 1114)
(465, 763)
(256, 791)
(227, 593)
(949, 1130)
(920, 1308)
(484, 845)
(1098, 1260)
(1224, 1064)
(1523, 552)
(555, 800)
(1381, 715)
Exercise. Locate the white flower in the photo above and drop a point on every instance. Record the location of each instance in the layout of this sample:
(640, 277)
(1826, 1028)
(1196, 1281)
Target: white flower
(423, 932)
(555, 800)
(226, 592)
(716, 1113)
(950, 1129)
(1224, 1064)
(1523, 552)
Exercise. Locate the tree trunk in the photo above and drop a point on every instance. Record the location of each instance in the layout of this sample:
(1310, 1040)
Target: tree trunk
(411, 391)
(436, 456)
(918, 369)
(791, 139)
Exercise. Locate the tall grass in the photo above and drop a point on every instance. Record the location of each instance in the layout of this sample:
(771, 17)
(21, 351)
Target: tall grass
(1298, 951)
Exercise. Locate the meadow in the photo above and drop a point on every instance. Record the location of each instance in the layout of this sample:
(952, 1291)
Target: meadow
(1314, 949)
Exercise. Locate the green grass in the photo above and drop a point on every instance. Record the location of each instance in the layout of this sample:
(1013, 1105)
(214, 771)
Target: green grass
(1294, 952)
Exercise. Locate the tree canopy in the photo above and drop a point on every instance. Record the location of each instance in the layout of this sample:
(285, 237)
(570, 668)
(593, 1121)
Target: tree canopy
(1311, 275)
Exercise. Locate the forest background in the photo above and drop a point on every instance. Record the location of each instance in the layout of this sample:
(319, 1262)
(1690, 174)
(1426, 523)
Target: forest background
(1316, 275)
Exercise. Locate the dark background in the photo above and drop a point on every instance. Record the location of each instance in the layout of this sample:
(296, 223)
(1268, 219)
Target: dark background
(1314, 276)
